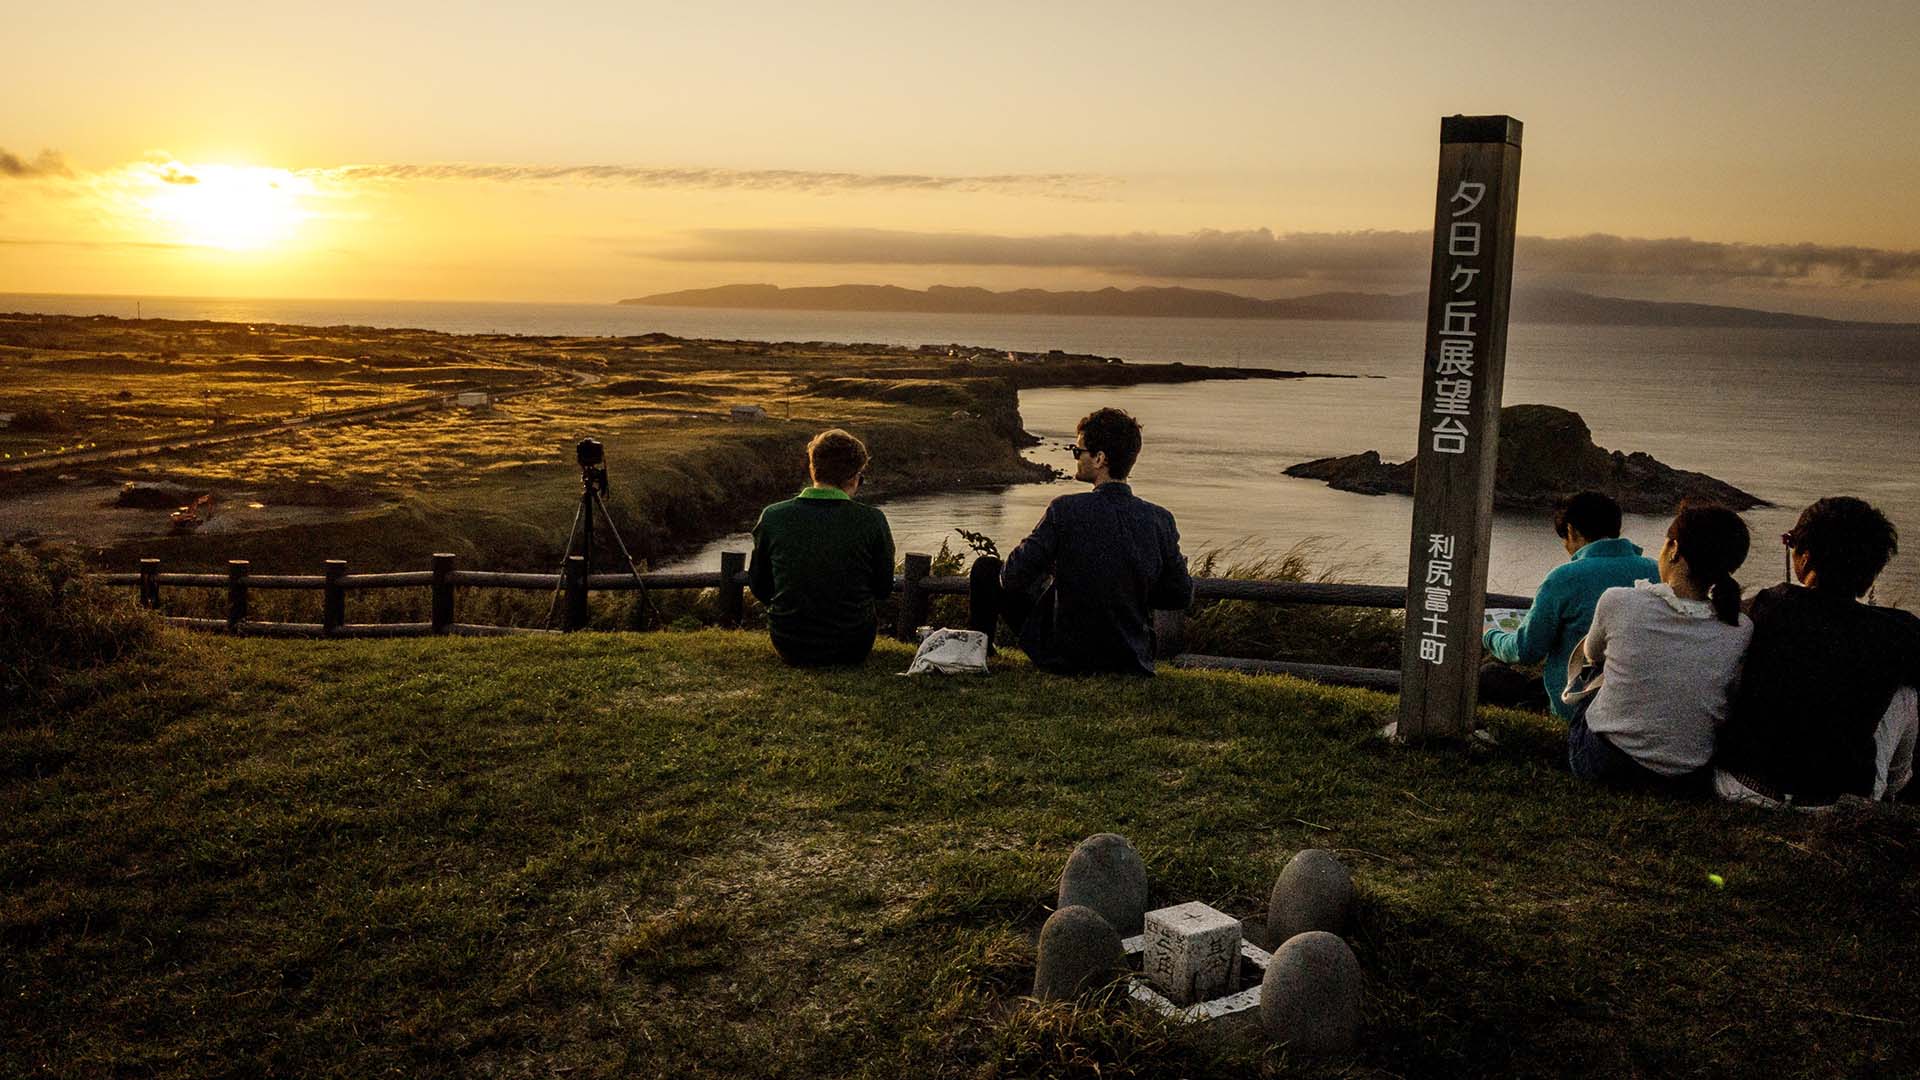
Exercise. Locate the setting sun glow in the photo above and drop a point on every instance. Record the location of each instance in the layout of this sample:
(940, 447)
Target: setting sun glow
(234, 207)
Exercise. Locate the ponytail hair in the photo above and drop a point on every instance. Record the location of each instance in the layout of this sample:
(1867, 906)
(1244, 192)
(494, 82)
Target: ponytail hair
(1713, 540)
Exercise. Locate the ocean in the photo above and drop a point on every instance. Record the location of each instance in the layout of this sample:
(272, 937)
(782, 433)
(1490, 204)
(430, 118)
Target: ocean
(1789, 415)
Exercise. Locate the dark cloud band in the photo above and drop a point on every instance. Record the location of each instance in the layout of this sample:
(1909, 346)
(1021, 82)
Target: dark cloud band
(49, 163)
(1065, 185)
(1261, 255)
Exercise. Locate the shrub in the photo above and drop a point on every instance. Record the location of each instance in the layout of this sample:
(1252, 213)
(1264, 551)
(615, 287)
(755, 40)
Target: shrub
(1305, 633)
(55, 619)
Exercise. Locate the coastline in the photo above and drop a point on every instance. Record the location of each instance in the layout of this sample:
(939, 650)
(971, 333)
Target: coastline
(701, 433)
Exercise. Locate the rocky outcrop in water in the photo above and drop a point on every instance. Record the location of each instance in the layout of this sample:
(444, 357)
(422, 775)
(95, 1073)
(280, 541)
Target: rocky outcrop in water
(1545, 453)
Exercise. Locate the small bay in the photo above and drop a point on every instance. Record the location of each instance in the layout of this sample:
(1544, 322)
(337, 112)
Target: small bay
(1790, 415)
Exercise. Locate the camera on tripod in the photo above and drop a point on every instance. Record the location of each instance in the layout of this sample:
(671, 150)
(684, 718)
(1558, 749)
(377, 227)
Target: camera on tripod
(592, 457)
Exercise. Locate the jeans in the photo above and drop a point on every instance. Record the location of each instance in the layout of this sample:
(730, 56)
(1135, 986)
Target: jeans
(1592, 757)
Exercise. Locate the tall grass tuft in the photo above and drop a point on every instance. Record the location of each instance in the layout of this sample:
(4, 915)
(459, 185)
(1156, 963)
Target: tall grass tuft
(1306, 633)
(57, 619)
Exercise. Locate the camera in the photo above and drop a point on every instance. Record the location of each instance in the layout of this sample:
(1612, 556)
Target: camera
(592, 457)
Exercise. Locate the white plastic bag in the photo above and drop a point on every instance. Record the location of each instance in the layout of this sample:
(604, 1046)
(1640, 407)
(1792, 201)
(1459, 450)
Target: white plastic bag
(951, 652)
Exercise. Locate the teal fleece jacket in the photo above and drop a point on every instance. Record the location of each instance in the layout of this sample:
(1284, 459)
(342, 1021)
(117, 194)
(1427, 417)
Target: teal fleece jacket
(1563, 609)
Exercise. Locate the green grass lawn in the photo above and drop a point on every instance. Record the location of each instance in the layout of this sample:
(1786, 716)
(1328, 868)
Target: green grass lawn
(641, 855)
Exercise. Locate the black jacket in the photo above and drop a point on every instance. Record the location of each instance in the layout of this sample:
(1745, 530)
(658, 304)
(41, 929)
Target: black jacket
(1818, 677)
(1114, 558)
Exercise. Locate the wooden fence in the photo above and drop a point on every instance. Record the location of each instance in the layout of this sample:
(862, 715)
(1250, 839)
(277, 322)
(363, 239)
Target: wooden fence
(916, 587)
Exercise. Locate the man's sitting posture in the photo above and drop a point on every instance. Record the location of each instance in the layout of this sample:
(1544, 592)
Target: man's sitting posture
(1589, 525)
(1826, 706)
(822, 562)
(1112, 558)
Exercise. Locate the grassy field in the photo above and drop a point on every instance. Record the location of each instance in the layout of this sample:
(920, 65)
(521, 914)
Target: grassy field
(495, 484)
(652, 855)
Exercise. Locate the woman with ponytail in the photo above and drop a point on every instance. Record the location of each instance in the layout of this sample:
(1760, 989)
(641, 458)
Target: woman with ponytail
(1659, 662)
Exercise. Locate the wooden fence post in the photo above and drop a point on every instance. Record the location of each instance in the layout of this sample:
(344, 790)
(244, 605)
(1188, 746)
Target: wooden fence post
(1169, 634)
(733, 603)
(913, 598)
(442, 592)
(236, 593)
(333, 598)
(983, 596)
(150, 583)
(575, 579)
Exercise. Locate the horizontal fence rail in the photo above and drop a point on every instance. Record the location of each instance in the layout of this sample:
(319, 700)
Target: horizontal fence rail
(916, 588)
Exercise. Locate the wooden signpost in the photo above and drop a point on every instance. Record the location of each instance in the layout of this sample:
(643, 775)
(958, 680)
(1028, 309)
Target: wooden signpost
(1459, 431)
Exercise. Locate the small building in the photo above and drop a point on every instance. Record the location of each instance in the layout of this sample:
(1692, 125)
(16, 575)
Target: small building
(746, 414)
(472, 399)
(6, 419)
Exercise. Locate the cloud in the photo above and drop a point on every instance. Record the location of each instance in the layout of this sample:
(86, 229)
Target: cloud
(1056, 185)
(1599, 254)
(1251, 255)
(173, 172)
(1262, 255)
(49, 163)
(91, 244)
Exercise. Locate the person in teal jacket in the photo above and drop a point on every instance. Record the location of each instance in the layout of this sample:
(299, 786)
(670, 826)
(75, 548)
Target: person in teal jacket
(1589, 525)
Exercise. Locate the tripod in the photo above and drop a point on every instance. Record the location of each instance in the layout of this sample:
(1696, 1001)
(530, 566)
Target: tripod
(593, 490)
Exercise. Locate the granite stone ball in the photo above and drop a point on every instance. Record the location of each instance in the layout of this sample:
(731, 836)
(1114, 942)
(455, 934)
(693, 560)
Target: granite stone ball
(1310, 998)
(1079, 951)
(1314, 892)
(1106, 874)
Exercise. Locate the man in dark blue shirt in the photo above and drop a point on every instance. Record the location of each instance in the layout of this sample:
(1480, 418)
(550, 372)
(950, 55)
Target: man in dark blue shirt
(1111, 558)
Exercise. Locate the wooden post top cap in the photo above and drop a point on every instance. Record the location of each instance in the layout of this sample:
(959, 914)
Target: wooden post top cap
(1480, 129)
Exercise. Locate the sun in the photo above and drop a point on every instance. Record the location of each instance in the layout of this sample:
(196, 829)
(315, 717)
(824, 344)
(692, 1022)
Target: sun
(234, 207)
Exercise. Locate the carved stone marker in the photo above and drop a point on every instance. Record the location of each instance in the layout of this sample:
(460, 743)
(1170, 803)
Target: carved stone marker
(1078, 951)
(1310, 998)
(1193, 952)
(1106, 874)
(1314, 892)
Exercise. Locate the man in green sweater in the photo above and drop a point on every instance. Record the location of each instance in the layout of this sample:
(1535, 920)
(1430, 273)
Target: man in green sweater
(1589, 525)
(822, 562)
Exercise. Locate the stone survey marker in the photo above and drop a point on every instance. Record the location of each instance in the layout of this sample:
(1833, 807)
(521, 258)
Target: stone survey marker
(1192, 952)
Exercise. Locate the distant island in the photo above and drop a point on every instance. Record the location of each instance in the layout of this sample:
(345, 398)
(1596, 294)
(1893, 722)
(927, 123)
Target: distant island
(1559, 306)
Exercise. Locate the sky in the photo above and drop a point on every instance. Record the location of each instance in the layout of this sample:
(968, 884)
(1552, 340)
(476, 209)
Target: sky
(1764, 154)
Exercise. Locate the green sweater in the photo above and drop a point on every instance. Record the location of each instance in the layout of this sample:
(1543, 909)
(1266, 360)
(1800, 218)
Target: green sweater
(1563, 609)
(821, 564)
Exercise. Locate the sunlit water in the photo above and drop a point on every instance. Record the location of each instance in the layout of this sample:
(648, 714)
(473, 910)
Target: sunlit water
(1787, 414)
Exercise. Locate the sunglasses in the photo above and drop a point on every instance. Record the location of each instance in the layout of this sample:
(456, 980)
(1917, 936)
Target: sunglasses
(1078, 451)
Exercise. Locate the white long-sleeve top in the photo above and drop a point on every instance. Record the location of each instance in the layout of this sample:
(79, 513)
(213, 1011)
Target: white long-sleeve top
(1668, 669)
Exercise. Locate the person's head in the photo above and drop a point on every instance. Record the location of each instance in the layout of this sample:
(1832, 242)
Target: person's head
(1108, 443)
(836, 459)
(1841, 543)
(1579, 520)
(1705, 545)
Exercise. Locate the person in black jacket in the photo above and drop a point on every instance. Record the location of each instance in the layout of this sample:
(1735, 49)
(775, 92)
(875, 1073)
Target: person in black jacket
(1100, 562)
(1826, 702)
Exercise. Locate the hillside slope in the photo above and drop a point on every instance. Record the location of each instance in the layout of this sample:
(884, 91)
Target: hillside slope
(667, 854)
